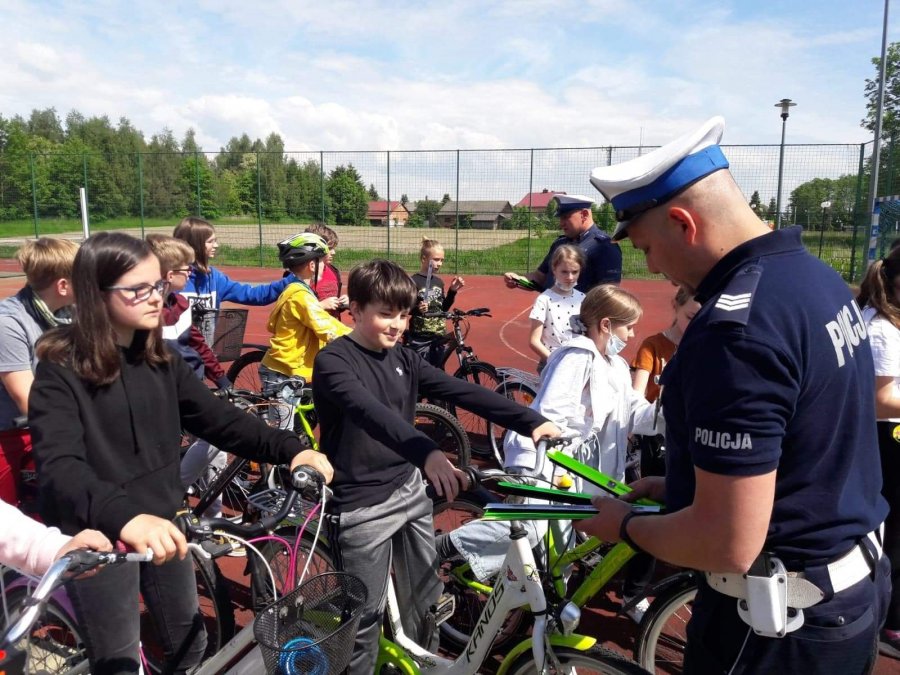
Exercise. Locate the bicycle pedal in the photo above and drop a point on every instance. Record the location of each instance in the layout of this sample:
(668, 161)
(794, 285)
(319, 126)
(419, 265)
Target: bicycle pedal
(592, 559)
(444, 608)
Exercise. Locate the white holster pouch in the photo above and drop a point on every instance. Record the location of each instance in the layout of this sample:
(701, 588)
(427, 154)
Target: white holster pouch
(770, 600)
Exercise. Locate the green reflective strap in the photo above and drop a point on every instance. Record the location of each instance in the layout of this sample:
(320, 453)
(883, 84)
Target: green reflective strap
(601, 480)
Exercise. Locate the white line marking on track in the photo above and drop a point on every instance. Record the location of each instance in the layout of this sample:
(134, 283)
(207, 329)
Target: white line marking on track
(506, 342)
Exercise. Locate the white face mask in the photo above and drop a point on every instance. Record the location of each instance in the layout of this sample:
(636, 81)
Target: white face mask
(615, 345)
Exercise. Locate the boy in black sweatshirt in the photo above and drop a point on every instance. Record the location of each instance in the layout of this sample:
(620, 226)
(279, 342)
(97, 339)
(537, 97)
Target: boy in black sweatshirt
(365, 395)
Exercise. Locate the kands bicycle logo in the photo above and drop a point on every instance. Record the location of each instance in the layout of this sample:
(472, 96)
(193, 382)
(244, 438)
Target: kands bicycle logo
(399, 370)
(478, 633)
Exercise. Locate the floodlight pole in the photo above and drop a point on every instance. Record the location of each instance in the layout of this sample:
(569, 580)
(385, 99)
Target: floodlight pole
(876, 147)
(785, 104)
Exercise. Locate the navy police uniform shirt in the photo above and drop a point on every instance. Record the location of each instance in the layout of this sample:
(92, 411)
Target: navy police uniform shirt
(603, 259)
(775, 373)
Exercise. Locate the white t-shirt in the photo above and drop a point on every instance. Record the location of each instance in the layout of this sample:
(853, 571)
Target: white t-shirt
(884, 339)
(554, 310)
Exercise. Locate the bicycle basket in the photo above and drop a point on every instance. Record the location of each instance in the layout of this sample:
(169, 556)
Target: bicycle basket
(311, 630)
(223, 330)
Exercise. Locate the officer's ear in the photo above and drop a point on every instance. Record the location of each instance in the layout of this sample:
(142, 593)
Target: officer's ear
(685, 220)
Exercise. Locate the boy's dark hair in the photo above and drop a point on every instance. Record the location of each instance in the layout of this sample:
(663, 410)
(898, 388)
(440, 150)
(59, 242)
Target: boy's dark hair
(381, 281)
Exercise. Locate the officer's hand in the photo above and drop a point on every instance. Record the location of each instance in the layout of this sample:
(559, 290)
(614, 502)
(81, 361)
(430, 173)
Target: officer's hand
(316, 460)
(446, 478)
(161, 536)
(652, 487)
(509, 279)
(605, 525)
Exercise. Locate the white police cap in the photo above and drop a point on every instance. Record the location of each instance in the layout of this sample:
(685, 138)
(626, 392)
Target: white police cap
(568, 203)
(640, 184)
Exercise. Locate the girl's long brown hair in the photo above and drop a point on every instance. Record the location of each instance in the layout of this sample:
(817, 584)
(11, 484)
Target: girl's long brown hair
(88, 345)
(196, 231)
(877, 288)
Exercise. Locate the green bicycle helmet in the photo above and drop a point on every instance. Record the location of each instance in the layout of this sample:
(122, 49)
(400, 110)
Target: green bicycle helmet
(300, 248)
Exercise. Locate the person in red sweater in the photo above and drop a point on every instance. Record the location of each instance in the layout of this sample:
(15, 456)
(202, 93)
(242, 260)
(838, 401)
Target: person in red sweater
(328, 284)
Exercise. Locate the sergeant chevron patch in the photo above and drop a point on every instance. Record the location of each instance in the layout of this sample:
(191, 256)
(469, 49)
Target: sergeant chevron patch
(731, 303)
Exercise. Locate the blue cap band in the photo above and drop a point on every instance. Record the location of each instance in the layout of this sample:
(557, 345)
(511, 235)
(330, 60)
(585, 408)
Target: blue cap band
(686, 172)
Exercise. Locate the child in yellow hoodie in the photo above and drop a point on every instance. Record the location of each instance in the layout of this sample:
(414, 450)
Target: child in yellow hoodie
(300, 327)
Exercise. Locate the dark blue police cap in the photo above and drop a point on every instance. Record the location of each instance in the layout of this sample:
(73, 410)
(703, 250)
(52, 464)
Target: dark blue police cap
(568, 203)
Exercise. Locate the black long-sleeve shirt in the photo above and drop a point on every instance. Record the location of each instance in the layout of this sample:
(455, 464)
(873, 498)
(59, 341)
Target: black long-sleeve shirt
(366, 405)
(108, 454)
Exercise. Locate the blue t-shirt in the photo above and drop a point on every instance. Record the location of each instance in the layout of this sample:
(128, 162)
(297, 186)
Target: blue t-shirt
(775, 373)
(603, 259)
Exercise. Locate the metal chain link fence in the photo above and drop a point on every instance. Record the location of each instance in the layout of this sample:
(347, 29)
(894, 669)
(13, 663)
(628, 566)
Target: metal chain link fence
(490, 209)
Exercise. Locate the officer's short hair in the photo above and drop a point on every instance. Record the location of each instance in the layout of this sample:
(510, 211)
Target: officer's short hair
(381, 281)
(46, 260)
(608, 301)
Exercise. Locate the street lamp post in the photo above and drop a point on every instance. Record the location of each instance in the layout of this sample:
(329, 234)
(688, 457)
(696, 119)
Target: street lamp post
(785, 104)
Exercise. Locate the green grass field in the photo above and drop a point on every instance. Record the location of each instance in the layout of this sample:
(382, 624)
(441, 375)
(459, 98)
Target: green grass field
(521, 255)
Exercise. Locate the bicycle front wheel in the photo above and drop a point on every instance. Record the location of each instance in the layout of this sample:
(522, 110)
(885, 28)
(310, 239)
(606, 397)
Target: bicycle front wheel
(445, 430)
(593, 660)
(522, 394)
(244, 372)
(55, 643)
(663, 631)
(485, 375)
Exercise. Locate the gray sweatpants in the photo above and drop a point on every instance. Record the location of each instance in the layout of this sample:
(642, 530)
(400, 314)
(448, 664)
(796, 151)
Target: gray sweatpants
(398, 533)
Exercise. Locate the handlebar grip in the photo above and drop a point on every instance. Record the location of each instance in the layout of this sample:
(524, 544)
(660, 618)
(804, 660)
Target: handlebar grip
(308, 481)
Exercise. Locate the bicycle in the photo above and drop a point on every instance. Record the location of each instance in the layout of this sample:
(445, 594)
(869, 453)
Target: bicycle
(662, 637)
(552, 647)
(470, 368)
(56, 644)
(598, 563)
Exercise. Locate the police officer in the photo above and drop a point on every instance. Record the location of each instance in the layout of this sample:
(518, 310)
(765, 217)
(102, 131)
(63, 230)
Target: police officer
(603, 258)
(773, 483)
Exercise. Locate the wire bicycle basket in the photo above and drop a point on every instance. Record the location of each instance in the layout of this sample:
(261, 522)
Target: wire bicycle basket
(311, 630)
(223, 330)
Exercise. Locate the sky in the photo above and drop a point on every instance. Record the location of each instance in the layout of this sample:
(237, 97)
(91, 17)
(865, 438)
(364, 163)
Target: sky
(464, 74)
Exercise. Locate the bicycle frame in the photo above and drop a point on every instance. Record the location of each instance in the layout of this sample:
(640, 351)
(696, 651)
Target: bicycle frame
(519, 586)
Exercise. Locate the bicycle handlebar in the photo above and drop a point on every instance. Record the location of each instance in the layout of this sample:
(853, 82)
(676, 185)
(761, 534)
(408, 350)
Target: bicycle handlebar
(457, 314)
(67, 567)
(305, 481)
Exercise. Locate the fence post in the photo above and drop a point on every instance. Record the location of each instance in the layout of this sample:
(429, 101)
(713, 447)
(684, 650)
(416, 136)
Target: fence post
(456, 262)
(259, 209)
(34, 194)
(388, 206)
(856, 212)
(530, 211)
(140, 159)
(322, 182)
(197, 174)
(84, 169)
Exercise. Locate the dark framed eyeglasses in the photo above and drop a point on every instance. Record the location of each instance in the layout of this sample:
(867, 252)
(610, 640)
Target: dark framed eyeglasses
(143, 291)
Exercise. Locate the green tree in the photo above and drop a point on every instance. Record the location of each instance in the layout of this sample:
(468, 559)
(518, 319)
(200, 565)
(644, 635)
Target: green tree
(890, 121)
(46, 124)
(445, 198)
(427, 210)
(273, 178)
(771, 211)
(373, 193)
(404, 199)
(347, 198)
(806, 202)
(521, 219)
(756, 203)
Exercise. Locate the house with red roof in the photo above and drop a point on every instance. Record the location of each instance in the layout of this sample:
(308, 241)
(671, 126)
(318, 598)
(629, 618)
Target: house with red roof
(537, 201)
(378, 213)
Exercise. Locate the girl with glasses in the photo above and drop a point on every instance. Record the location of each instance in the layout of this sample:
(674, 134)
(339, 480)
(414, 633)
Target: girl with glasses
(107, 408)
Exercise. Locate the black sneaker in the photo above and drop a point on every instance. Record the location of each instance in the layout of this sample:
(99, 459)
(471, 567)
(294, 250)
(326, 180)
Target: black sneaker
(889, 643)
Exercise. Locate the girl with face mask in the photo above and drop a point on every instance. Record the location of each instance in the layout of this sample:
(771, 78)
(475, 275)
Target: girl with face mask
(550, 326)
(585, 391)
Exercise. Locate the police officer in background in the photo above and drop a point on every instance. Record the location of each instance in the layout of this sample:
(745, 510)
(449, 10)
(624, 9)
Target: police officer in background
(773, 483)
(602, 257)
